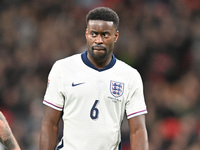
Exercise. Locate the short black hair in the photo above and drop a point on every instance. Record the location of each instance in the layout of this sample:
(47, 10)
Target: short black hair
(104, 14)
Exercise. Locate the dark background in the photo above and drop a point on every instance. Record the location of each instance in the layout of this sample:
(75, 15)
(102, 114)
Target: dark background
(160, 38)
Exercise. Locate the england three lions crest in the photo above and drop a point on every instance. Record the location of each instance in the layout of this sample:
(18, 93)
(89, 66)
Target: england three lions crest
(116, 88)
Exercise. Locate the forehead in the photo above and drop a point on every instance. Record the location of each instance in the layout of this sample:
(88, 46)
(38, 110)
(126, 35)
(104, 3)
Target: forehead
(100, 25)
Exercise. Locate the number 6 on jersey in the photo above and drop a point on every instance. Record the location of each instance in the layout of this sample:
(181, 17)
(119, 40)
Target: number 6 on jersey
(94, 112)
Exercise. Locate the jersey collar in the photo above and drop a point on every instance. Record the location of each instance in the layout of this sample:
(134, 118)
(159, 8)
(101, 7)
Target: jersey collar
(89, 64)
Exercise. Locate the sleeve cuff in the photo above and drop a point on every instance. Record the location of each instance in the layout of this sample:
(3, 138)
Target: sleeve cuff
(52, 105)
(141, 112)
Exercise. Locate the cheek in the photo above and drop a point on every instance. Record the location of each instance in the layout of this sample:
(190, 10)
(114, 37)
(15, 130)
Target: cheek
(90, 40)
(110, 43)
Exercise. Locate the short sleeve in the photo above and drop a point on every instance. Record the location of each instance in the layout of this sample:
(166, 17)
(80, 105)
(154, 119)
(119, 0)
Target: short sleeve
(135, 103)
(53, 96)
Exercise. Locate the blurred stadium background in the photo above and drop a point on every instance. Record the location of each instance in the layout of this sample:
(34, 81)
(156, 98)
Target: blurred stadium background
(160, 38)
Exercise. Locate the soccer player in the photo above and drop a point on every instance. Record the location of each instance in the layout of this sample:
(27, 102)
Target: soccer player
(6, 136)
(92, 91)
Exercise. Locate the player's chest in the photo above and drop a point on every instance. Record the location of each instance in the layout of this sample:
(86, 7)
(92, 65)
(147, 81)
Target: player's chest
(96, 85)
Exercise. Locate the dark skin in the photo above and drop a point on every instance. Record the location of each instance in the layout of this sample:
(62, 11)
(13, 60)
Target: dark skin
(49, 130)
(100, 36)
(138, 133)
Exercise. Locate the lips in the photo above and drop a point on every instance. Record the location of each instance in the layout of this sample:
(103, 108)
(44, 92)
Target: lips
(98, 48)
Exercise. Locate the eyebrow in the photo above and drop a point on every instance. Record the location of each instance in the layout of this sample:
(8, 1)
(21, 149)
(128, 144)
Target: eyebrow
(107, 31)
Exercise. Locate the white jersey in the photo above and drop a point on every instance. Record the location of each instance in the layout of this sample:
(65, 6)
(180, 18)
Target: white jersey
(93, 101)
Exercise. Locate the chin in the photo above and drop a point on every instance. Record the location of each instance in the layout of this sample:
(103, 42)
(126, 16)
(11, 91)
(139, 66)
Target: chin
(99, 53)
(99, 57)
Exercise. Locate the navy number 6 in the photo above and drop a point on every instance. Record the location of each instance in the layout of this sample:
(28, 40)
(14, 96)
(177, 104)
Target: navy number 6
(94, 111)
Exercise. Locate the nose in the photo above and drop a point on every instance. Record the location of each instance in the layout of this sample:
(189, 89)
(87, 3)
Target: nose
(99, 39)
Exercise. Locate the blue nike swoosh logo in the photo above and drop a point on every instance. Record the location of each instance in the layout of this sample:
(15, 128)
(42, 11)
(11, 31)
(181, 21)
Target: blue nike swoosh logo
(73, 84)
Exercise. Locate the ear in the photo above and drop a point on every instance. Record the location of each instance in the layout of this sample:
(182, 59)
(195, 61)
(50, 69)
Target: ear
(116, 36)
(86, 33)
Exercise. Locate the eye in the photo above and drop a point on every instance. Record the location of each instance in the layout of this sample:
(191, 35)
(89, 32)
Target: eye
(106, 34)
(93, 34)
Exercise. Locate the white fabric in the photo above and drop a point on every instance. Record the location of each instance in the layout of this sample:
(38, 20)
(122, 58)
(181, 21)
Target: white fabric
(92, 109)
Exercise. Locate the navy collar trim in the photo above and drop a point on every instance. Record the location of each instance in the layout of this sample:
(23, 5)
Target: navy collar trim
(89, 64)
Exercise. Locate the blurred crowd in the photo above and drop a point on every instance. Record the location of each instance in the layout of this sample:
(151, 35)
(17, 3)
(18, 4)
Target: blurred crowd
(160, 38)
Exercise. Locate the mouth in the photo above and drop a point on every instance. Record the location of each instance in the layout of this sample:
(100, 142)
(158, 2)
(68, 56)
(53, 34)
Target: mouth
(98, 48)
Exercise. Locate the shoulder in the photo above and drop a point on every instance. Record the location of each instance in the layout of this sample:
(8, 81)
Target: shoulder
(62, 65)
(68, 59)
(126, 71)
(130, 75)
(126, 68)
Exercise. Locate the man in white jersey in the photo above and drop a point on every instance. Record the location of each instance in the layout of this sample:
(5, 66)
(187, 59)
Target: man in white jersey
(91, 92)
